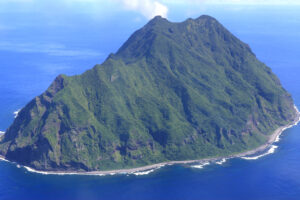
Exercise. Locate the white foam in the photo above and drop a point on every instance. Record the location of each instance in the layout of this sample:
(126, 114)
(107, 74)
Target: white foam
(200, 166)
(62, 173)
(16, 113)
(2, 132)
(143, 172)
(296, 108)
(35, 171)
(277, 139)
(270, 151)
(3, 159)
(298, 116)
(220, 162)
(139, 173)
(290, 126)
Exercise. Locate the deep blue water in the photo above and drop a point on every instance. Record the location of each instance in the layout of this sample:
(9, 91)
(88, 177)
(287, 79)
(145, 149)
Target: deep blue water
(35, 48)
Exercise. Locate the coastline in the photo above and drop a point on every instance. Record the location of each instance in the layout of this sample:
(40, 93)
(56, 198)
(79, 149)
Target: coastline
(201, 162)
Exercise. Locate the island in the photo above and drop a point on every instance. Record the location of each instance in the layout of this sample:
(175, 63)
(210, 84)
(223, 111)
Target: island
(173, 93)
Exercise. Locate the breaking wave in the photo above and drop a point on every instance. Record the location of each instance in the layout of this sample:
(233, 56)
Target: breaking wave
(200, 166)
(270, 151)
(220, 162)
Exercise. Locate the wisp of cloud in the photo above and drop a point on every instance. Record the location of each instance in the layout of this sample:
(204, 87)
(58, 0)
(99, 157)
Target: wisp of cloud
(148, 8)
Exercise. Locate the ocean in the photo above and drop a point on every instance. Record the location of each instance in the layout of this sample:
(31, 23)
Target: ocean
(35, 48)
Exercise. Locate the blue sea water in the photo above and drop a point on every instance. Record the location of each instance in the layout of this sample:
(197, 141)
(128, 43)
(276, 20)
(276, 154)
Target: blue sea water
(35, 48)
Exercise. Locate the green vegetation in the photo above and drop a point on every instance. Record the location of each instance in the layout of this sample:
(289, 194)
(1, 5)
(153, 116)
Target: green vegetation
(173, 91)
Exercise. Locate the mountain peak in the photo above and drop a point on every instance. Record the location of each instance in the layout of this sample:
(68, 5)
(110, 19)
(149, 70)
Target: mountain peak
(205, 17)
(157, 20)
(201, 35)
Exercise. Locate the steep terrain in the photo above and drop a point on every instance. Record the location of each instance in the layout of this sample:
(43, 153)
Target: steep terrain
(173, 91)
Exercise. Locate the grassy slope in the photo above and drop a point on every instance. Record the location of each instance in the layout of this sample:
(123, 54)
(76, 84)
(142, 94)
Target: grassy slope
(174, 91)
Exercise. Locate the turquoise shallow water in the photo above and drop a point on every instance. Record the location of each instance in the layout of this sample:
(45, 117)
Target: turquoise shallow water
(34, 50)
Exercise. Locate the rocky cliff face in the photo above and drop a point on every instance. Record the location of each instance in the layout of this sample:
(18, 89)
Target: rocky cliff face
(173, 91)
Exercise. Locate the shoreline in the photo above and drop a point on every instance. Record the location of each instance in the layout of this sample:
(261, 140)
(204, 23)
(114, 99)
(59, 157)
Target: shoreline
(150, 168)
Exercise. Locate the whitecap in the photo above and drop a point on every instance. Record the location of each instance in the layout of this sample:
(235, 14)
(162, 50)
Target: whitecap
(270, 151)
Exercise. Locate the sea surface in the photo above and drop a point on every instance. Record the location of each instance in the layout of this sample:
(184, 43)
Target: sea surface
(35, 48)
